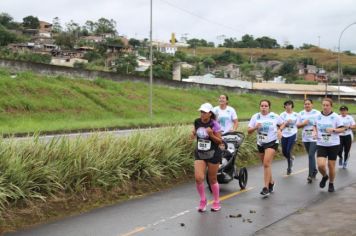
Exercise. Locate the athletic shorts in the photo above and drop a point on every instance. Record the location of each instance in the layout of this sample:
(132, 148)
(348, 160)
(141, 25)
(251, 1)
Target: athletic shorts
(214, 160)
(263, 147)
(328, 152)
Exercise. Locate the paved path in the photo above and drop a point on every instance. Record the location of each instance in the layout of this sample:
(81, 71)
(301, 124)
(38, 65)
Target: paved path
(173, 211)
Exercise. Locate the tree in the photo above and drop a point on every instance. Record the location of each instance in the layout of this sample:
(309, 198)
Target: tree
(65, 40)
(230, 43)
(73, 29)
(6, 37)
(247, 41)
(267, 75)
(30, 22)
(126, 64)
(56, 25)
(209, 62)
(228, 57)
(349, 70)
(290, 47)
(5, 19)
(289, 67)
(267, 42)
(307, 46)
(307, 61)
(90, 26)
(194, 43)
(92, 56)
(180, 55)
(104, 25)
(349, 53)
(135, 43)
(246, 68)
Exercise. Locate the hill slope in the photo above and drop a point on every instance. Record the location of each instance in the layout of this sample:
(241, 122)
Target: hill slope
(32, 102)
(326, 58)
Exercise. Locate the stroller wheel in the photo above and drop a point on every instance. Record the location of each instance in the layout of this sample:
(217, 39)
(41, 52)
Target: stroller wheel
(243, 177)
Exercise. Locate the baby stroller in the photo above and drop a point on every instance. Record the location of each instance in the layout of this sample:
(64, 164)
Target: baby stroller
(227, 169)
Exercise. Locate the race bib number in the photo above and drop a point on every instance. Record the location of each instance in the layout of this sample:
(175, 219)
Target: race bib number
(204, 145)
(290, 128)
(325, 138)
(308, 133)
(262, 138)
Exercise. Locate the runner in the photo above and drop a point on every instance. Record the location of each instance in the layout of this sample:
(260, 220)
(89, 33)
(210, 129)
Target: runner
(207, 154)
(266, 124)
(328, 125)
(226, 115)
(346, 137)
(289, 133)
(306, 121)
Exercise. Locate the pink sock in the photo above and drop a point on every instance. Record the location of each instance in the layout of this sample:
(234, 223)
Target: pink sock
(215, 189)
(200, 189)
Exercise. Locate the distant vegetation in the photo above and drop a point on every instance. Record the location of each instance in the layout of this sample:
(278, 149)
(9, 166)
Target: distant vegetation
(119, 54)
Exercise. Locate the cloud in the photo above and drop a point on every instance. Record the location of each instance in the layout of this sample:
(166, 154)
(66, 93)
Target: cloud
(298, 22)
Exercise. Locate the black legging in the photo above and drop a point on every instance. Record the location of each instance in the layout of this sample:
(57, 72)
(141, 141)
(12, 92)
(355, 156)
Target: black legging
(345, 146)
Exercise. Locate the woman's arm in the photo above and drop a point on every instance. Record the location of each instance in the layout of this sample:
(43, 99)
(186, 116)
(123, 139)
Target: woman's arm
(236, 124)
(215, 136)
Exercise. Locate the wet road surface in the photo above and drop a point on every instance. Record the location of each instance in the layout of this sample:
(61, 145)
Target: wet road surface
(173, 211)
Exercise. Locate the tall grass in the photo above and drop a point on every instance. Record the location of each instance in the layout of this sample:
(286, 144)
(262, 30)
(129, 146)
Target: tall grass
(34, 169)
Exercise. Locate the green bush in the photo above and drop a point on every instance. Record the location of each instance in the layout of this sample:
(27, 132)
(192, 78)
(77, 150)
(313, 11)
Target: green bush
(299, 81)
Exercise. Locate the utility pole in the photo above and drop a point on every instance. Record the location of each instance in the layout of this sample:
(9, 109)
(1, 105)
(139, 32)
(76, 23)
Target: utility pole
(151, 61)
(319, 41)
(338, 61)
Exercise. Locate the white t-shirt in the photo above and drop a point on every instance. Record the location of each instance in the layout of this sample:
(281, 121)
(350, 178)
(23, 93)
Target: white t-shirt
(322, 123)
(307, 133)
(347, 121)
(291, 127)
(225, 118)
(268, 131)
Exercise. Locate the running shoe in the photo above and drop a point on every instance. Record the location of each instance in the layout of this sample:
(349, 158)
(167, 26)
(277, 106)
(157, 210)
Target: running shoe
(323, 181)
(289, 171)
(340, 162)
(315, 172)
(264, 192)
(271, 187)
(215, 207)
(344, 166)
(292, 161)
(309, 180)
(331, 188)
(202, 205)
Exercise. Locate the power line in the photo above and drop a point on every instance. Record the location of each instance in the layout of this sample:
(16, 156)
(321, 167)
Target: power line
(200, 17)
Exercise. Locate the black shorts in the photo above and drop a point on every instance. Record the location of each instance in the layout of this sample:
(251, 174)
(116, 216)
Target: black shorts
(328, 152)
(215, 160)
(263, 147)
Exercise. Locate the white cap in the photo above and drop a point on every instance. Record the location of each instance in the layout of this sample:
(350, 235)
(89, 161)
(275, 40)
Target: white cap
(206, 107)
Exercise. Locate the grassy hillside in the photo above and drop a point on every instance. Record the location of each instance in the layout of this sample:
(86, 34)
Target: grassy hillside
(323, 57)
(32, 102)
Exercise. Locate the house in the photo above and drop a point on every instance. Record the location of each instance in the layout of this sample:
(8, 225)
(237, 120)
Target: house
(231, 70)
(165, 47)
(45, 29)
(316, 74)
(67, 61)
(142, 64)
(93, 38)
(274, 65)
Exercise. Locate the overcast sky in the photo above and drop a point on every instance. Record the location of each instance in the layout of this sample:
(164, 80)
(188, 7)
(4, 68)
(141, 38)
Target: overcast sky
(296, 22)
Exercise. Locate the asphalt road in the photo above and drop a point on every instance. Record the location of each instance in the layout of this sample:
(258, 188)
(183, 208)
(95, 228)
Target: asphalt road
(173, 212)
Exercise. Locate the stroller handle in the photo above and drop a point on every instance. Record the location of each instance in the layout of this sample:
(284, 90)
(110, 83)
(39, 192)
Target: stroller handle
(239, 141)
